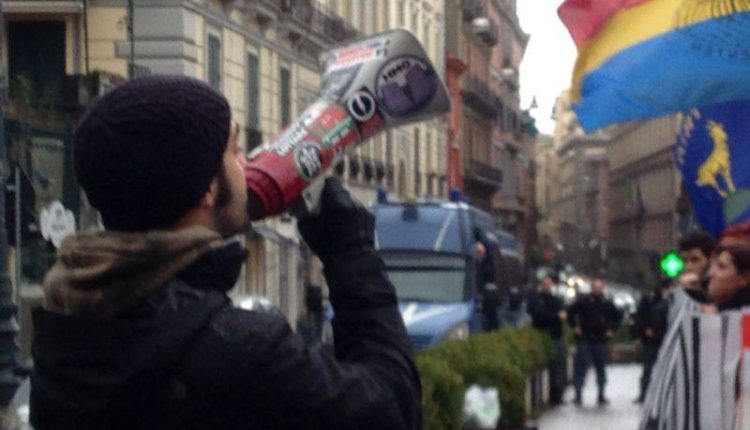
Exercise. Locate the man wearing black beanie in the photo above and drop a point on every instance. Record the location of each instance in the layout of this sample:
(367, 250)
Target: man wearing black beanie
(136, 330)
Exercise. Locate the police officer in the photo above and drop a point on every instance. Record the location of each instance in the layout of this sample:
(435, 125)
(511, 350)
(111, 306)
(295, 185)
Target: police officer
(594, 319)
(547, 314)
(650, 324)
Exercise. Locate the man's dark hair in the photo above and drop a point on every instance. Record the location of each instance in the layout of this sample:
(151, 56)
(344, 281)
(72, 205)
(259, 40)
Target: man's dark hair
(697, 239)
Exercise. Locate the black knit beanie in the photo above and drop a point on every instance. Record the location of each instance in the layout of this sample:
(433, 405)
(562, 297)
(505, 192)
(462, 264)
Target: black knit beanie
(147, 151)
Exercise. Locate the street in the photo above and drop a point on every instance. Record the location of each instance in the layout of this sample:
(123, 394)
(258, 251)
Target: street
(620, 414)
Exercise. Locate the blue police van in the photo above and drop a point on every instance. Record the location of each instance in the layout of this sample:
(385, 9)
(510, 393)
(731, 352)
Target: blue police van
(429, 252)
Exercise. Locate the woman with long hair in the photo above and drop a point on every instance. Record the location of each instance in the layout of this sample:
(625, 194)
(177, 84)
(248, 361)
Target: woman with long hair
(729, 277)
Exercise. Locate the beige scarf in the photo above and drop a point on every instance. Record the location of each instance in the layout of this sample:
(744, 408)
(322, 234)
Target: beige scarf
(102, 274)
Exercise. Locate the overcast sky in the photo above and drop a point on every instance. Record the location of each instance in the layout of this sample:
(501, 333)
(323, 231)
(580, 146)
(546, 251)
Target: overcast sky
(548, 62)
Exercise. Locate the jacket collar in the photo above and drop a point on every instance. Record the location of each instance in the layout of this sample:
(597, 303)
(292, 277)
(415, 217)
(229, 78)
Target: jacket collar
(217, 269)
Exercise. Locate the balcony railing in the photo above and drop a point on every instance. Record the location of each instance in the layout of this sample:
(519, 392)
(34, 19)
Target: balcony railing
(302, 19)
(484, 172)
(264, 11)
(490, 36)
(479, 96)
(486, 29)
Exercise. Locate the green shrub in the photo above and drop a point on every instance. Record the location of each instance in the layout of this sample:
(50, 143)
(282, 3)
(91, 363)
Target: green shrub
(623, 335)
(504, 359)
(442, 393)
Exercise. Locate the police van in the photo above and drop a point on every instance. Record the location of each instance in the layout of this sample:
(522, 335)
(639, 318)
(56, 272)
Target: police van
(429, 252)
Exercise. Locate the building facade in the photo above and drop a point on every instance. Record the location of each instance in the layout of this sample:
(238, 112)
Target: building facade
(621, 204)
(647, 199)
(470, 38)
(583, 204)
(512, 146)
(579, 214)
(547, 189)
(492, 152)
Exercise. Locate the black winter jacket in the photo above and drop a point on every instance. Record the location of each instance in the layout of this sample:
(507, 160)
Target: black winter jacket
(185, 358)
(595, 315)
(652, 313)
(544, 309)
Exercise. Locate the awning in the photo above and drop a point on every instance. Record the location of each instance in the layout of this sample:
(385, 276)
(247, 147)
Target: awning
(42, 6)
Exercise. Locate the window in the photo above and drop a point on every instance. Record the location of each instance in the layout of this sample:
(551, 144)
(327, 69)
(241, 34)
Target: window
(285, 93)
(427, 38)
(214, 61)
(417, 160)
(374, 14)
(253, 121)
(356, 15)
(430, 169)
(429, 147)
(36, 55)
(389, 162)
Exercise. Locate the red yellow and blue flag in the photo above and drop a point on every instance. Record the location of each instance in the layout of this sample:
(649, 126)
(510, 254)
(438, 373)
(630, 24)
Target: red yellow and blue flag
(645, 58)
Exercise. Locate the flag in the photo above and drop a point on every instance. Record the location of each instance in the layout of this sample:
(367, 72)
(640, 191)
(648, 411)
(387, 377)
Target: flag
(712, 153)
(698, 381)
(641, 59)
(584, 18)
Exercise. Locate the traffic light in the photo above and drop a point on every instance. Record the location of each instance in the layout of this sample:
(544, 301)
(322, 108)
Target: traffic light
(671, 264)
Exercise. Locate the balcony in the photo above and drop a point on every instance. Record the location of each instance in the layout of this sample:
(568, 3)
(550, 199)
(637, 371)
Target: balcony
(486, 29)
(484, 173)
(478, 95)
(263, 11)
(337, 29)
(299, 20)
(304, 20)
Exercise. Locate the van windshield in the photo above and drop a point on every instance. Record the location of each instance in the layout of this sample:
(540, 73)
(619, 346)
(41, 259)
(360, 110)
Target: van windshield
(429, 229)
(427, 278)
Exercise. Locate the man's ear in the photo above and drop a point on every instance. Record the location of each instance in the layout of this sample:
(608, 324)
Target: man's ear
(209, 198)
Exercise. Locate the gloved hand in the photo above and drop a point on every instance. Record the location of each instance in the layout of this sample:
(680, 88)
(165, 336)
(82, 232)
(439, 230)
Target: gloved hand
(342, 227)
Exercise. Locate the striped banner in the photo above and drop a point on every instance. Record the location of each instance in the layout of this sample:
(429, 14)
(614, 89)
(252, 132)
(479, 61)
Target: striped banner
(698, 382)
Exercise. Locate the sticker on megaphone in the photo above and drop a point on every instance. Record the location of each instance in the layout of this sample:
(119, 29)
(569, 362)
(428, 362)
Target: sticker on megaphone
(369, 85)
(393, 69)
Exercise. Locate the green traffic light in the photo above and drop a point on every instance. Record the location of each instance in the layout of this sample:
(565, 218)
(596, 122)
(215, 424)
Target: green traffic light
(672, 264)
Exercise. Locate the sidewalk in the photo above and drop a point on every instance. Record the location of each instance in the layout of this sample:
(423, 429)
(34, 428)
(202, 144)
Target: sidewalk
(620, 414)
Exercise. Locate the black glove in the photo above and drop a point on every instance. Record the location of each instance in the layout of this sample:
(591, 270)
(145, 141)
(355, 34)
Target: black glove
(343, 226)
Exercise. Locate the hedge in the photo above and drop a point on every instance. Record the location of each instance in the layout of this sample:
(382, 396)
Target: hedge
(505, 359)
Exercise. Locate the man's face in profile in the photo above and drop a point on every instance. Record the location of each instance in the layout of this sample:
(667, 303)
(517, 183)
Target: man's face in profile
(695, 261)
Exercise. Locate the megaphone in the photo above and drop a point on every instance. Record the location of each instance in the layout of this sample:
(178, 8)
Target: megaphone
(369, 85)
